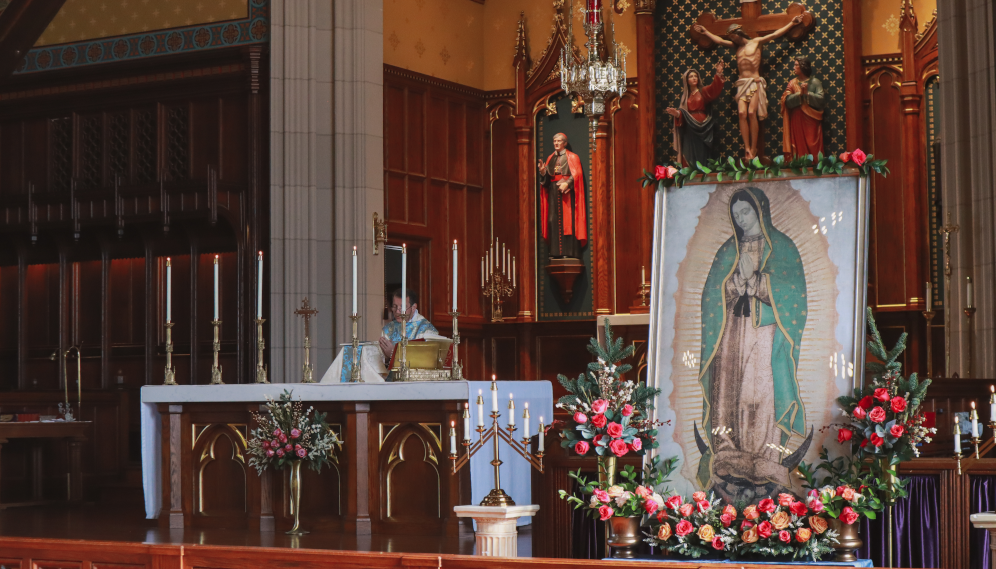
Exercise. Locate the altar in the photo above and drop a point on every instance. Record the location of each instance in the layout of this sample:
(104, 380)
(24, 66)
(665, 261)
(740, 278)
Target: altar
(393, 473)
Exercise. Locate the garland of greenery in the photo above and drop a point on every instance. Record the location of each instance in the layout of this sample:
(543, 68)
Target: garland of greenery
(668, 174)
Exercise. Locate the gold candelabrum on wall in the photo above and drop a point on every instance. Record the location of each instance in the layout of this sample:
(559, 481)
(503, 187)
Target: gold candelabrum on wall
(497, 496)
(498, 277)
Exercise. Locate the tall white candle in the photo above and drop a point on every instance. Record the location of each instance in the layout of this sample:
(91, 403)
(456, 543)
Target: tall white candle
(482, 272)
(466, 421)
(643, 274)
(525, 421)
(975, 421)
(992, 403)
(971, 297)
(542, 435)
(511, 411)
(404, 280)
(957, 435)
(354, 280)
(452, 437)
(480, 408)
(259, 290)
(494, 395)
(513, 271)
(930, 295)
(216, 287)
(169, 290)
(504, 258)
(454, 275)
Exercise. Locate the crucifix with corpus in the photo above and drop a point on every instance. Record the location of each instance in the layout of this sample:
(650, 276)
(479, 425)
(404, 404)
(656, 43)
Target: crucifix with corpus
(747, 35)
(306, 311)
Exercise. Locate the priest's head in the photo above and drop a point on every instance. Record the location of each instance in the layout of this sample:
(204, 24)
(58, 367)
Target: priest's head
(410, 306)
(559, 141)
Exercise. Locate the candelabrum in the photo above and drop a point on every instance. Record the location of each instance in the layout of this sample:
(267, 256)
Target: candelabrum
(969, 312)
(929, 315)
(498, 288)
(216, 347)
(456, 370)
(170, 371)
(354, 372)
(498, 277)
(497, 496)
(260, 344)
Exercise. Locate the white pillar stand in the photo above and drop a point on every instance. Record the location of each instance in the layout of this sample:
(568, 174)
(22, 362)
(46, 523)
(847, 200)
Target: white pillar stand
(987, 520)
(496, 533)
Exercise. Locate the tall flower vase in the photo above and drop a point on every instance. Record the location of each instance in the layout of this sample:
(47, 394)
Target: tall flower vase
(624, 536)
(890, 502)
(607, 470)
(295, 498)
(848, 540)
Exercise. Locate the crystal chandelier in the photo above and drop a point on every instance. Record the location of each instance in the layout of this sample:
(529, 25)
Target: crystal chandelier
(594, 80)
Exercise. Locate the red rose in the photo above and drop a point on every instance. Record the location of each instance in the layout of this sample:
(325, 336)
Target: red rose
(662, 516)
(598, 439)
(766, 505)
(848, 515)
(845, 157)
(605, 512)
(703, 506)
(864, 443)
(844, 435)
(599, 406)
(858, 156)
(618, 447)
(717, 543)
(636, 445)
(580, 418)
(785, 499)
(876, 440)
(746, 525)
(726, 519)
(683, 528)
(840, 490)
(898, 404)
(650, 506)
(660, 172)
(614, 430)
(764, 529)
(784, 536)
(798, 508)
(581, 447)
(877, 415)
(859, 413)
(882, 394)
(686, 509)
(599, 420)
(674, 502)
(627, 410)
(866, 402)
(897, 431)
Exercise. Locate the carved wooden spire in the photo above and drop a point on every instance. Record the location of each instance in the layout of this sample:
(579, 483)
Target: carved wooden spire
(521, 57)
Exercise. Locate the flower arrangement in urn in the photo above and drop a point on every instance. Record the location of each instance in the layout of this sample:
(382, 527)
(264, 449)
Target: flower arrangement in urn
(696, 528)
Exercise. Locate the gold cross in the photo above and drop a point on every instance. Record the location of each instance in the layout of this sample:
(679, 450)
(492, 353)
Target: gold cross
(947, 230)
(307, 312)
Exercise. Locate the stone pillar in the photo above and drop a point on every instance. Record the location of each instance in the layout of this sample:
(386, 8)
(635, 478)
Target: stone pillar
(496, 531)
(301, 212)
(968, 172)
(359, 162)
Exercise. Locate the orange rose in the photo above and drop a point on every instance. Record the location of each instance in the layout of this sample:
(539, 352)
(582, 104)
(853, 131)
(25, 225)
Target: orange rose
(706, 533)
(664, 533)
(802, 535)
(848, 494)
(750, 536)
(818, 524)
(750, 512)
(730, 510)
(781, 519)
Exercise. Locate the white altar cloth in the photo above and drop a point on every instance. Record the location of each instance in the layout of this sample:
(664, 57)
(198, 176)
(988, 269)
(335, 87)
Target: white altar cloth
(515, 472)
(372, 368)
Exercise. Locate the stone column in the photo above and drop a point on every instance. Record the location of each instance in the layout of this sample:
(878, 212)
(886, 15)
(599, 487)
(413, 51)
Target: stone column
(301, 212)
(968, 172)
(359, 162)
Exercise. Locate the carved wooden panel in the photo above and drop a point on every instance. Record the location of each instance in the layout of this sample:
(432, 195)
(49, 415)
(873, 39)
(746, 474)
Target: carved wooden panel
(628, 234)
(220, 468)
(410, 457)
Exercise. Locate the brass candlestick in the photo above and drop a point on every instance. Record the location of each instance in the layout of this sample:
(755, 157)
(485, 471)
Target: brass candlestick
(497, 496)
(957, 434)
(307, 312)
(216, 347)
(974, 417)
(404, 369)
(354, 372)
(170, 372)
(929, 315)
(456, 371)
(260, 344)
(969, 312)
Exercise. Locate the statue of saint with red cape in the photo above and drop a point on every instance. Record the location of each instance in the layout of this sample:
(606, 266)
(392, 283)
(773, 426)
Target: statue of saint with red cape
(562, 206)
(802, 112)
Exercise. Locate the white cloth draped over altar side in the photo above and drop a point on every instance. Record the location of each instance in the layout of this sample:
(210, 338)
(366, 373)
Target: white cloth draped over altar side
(372, 368)
(516, 476)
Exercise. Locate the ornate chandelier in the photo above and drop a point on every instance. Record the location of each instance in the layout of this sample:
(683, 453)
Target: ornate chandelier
(596, 79)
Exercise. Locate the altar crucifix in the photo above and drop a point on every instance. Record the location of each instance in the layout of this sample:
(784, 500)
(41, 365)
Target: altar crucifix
(747, 35)
(306, 312)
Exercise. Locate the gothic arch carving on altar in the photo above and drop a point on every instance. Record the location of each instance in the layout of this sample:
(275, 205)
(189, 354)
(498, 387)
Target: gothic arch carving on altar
(219, 447)
(410, 462)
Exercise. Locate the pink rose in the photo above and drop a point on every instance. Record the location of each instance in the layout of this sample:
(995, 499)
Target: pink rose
(277, 432)
(848, 515)
(858, 156)
(816, 506)
(746, 525)
(266, 445)
(845, 157)
(674, 502)
(698, 496)
(288, 448)
(580, 418)
(650, 506)
(683, 528)
(841, 489)
(671, 171)
(295, 433)
(798, 508)
(599, 406)
(627, 410)
(605, 512)
(614, 430)
(282, 437)
(660, 172)
(784, 536)
(730, 510)
(785, 499)
(844, 435)
(703, 505)
(897, 431)
(877, 415)
(302, 452)
(882, 394)
(601, 495)
(764, 529)
(766, 505)
(643, 492)
(898, 404)
(726, 519)
(599, 420)
(686, 509)
(636, 445)
(859, 413)
(866, 402)
(618, 447)
(717, 543)
(297, 447)
(581, 447)
(876, 440)
(275, 443)
(280, 453)
(269, 453)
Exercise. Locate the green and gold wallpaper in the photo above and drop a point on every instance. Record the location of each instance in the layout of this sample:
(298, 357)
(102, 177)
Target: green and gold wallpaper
(675, 53)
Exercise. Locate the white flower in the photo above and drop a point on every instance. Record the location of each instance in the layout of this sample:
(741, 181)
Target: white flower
(623, 498)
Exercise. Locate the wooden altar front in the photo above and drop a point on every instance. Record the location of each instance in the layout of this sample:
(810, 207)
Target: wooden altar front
(392, 476)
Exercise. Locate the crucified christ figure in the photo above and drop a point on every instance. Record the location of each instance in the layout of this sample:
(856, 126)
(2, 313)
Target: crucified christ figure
(751, 94)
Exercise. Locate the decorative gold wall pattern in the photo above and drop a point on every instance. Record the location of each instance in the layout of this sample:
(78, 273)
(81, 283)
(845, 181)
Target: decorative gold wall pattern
(880, 23)
(90, 19)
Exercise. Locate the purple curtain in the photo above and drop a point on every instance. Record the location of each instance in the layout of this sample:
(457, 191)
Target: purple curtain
(915, 535)
(983, 499)
(587, 533)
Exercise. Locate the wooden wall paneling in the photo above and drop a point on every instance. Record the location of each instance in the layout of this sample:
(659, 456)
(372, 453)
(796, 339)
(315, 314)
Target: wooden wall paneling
(628, 236)
(854, 85)
(913, 159)
(105, 321)
(600, 228)
(504, 196)
(22, 328)
(644, 134)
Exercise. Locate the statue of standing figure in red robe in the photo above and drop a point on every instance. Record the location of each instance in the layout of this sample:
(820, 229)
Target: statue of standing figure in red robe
(803, 103)
(562, 206)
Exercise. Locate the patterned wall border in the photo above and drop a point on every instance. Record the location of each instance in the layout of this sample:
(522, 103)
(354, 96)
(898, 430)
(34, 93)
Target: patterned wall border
(252, 30)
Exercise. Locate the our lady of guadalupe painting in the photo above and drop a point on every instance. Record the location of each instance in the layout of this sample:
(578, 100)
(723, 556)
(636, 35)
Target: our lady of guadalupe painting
(756, 293)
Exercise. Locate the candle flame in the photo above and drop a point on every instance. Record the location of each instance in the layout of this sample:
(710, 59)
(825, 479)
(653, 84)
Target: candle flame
(973, 404)
(527, 405)
(466, 405)
(992, 388)
(957, 418)
(452, 423)
(260, 253)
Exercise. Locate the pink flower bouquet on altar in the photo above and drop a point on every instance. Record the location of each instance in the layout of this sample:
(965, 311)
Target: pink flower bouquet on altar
(633, 496)
(288, 433)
